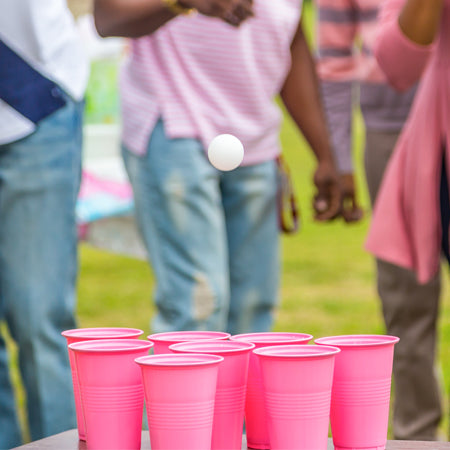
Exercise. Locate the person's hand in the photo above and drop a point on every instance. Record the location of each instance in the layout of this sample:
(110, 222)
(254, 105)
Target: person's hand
(350, 210)
(234, 12)
(327, 201)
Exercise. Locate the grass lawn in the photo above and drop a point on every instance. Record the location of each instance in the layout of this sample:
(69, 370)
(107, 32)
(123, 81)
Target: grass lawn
(327, 278)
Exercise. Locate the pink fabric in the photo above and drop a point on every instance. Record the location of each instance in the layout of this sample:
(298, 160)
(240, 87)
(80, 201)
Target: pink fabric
(405, 228)
(202, 87)
(392, 44)
(91, 185)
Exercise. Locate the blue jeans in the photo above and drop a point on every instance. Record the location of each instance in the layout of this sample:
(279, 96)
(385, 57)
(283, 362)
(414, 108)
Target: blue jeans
(212, 237)
(39, 181)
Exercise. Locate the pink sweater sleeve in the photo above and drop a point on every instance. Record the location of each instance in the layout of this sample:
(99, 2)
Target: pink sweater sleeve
(401, 59)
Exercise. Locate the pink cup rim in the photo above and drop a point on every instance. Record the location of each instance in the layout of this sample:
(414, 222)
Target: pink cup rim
(102, 333)
(296, 351)
(186, 336)
(358, 340)
(273, 337)
(216, 347)
(179, 360)
(111, 345)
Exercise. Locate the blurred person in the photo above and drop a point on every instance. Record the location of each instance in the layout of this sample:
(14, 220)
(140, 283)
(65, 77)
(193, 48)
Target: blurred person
(43, 75)
(196, 69)
(411, 216)
(350, 76)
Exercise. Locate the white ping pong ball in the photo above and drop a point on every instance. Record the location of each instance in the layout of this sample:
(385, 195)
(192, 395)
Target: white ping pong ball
(225, 152)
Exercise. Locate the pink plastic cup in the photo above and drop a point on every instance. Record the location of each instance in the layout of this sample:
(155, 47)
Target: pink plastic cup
(87, 334)
(112, 391)
(297, 383)
(179, 395)
(163, 341)
(361, 390)
(231, 385)
(255, 415)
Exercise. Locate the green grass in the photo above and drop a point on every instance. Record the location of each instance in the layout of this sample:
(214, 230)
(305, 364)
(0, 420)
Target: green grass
(327, 284)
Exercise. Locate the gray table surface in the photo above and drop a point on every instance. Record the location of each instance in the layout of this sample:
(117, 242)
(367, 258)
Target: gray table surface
(69, 441)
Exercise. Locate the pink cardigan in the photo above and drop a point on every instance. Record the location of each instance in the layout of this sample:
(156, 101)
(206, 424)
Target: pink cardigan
(405, 228)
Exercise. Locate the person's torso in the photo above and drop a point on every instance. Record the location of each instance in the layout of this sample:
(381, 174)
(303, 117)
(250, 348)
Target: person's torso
(205, 77)
(43, 35)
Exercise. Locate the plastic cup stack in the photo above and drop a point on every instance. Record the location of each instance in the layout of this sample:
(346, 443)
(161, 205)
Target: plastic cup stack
(87, 334)
(231, 387)
(112, 391)
(199, 385)
(255, 410)
(361, 390)
(180, 390)
(297, 392)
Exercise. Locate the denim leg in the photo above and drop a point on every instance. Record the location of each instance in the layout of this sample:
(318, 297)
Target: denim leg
(180, 216)
(249, 200)
(39, 181)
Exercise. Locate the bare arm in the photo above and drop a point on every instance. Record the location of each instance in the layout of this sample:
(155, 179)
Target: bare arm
(129, 18)
(137, 18)
(420, 20)
(300, 94)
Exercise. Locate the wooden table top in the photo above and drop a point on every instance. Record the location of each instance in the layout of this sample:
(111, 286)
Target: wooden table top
(69, 441)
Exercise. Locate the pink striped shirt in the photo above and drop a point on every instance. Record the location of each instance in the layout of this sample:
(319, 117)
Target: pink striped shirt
(342, 23)
(204, 78)
(346, 35)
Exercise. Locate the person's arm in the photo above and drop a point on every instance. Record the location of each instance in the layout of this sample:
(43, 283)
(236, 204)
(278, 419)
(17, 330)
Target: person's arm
(420, 19)
(300, 94)
(137, 18)
(338, 74)
(407, 31)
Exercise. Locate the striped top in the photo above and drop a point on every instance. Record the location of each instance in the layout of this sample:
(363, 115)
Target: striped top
(346, 33)
(204, 78)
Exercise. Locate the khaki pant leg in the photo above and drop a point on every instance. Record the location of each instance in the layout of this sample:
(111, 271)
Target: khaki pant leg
(410, 312)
